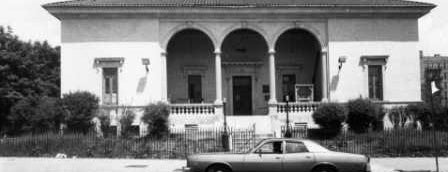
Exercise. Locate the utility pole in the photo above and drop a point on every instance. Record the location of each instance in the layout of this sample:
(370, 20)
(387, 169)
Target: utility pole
(288, 129)
(225, 135)
(434, 75)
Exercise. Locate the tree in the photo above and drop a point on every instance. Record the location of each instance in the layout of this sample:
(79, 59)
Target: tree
(26, 70)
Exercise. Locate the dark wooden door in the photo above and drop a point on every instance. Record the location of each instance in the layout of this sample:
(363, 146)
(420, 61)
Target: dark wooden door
(242, 95)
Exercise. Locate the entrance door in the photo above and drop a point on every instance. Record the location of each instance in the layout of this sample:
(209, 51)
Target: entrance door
(242, 95)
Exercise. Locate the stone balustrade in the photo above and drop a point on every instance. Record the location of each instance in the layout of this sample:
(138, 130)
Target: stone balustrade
(189, 109)
(295, 107)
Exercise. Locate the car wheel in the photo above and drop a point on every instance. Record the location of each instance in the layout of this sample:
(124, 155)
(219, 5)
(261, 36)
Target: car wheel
(219, 168)
(324, 169)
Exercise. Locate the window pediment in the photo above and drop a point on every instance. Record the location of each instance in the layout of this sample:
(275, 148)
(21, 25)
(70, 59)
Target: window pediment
(106, 62)
(374, 60)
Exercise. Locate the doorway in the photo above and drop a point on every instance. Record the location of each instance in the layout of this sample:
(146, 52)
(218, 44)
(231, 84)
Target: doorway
(242, 95)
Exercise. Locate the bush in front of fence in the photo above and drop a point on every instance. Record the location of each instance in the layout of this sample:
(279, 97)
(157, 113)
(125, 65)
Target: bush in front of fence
(80, 108)
(364, 114)
(329, 117)
(156, 117)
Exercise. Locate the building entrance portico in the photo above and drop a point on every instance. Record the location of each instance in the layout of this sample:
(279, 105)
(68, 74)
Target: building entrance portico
(251, 73)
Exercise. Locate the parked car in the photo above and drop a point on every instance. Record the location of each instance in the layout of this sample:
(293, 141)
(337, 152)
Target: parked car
(280, 155)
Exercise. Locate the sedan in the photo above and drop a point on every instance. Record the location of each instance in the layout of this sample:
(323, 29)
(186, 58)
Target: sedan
(280, 155)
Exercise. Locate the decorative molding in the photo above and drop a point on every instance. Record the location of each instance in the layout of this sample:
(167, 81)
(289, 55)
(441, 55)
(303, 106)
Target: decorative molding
(103, 62)
(242, 63)
(374, 60)
(194, 70)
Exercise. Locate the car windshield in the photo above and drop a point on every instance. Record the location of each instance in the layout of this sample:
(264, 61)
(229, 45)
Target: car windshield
(314, 147)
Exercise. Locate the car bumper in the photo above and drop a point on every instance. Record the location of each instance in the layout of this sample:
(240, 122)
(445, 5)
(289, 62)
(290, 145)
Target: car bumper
(186, 169)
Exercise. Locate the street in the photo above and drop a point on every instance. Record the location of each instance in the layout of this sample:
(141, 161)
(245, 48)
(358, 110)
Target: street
(152, 165)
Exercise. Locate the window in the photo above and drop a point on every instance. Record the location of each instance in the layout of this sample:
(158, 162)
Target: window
(288, 84)
(195, 88)
(375, 82)
(110, 86)
(271, 148)
(295, 147)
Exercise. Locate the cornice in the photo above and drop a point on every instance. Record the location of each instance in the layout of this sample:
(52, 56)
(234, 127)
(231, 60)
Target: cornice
(249, 13)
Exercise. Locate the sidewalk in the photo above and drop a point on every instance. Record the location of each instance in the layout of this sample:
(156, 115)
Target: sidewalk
(412, 164)
(152, 165)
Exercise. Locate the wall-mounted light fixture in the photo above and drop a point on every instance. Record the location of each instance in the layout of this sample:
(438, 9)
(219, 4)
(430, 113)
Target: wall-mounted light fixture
(145, 61)
(341, 61)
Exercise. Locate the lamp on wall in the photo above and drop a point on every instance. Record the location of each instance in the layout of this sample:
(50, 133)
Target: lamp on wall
(145, 61)
(341, 61)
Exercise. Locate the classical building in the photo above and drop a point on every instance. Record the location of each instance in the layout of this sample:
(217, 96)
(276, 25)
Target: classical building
(244, 58)
(439, 65)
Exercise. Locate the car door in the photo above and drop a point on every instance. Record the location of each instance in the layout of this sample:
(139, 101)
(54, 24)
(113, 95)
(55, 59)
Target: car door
(267, 158)
(297, 158)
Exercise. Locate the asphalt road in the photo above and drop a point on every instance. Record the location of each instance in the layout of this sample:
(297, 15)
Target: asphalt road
(8, 164)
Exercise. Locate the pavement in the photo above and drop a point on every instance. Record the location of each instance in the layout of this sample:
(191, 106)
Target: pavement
(14, 164)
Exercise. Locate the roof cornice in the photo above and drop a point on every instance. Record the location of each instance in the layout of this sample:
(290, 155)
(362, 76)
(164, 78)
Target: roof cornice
(358, 11)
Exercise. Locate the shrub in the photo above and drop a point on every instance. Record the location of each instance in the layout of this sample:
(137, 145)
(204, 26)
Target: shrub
(398, 116)
(363, 114)
(126, 121)
(79, 109)
(156, 116)
(330, 117)
(104, 119)
(36, 114)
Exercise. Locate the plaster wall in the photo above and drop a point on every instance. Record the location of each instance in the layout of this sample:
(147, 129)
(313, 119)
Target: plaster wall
(83, 40)
(353, 38)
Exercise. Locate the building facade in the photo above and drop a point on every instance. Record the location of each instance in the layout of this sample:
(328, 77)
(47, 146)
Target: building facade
(244, 58)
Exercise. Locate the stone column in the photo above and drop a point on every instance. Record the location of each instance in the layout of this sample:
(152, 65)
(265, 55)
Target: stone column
(218, 79)
(324, 60)
(272, 89)
(272, 104)
(164, 76)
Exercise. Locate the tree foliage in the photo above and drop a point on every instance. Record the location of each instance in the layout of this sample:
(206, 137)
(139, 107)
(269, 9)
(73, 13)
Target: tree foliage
(36, 114)
(26, 70)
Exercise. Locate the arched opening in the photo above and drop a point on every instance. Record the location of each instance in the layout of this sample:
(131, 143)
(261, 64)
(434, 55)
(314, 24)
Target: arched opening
(245, 64)
(299, 66)
(190, 60)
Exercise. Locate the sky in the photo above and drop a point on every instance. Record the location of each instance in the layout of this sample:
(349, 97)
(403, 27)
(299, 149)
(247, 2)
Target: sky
(31, 22)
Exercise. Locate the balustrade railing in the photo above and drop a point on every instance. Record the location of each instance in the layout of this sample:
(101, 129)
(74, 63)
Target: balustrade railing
(187, 109)
(298, 107)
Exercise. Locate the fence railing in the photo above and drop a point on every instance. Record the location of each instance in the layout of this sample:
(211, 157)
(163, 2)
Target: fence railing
(178, 144)
(398, 142)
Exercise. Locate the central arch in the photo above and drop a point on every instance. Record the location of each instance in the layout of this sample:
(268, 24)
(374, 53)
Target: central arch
(244, 62)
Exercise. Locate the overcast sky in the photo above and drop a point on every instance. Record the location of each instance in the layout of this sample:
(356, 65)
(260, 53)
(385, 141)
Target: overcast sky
(31, 22)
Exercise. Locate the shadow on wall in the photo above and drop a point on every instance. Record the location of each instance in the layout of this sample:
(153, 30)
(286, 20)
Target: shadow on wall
(141, 84)
(334, 82)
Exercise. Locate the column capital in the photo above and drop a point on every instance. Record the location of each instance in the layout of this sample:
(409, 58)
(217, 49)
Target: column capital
(271, 51)
(217, 51)
(324, 49)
